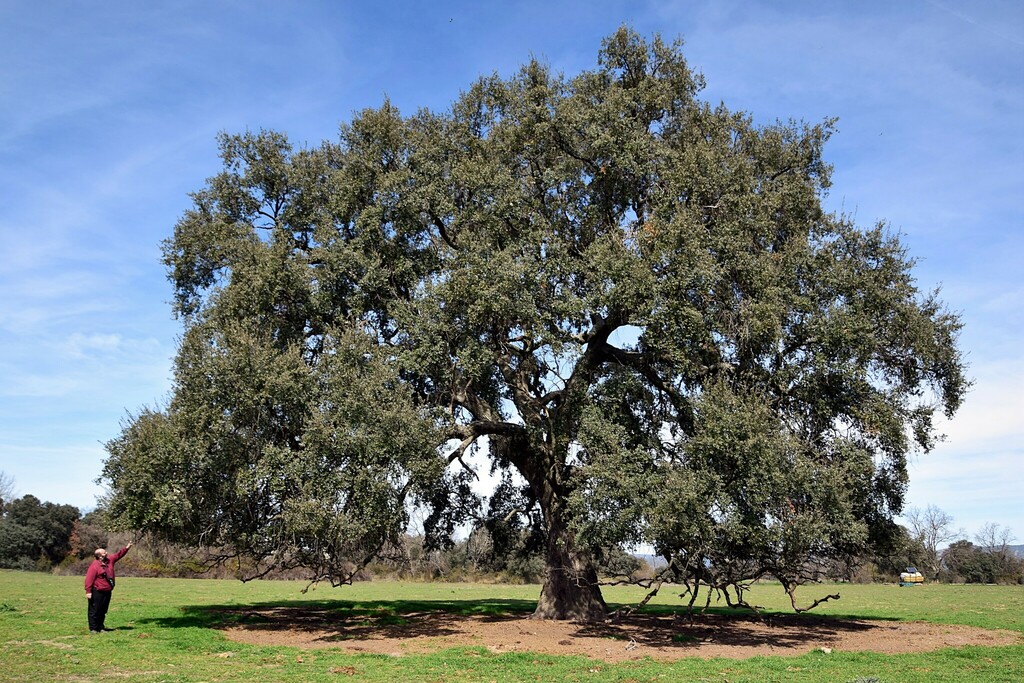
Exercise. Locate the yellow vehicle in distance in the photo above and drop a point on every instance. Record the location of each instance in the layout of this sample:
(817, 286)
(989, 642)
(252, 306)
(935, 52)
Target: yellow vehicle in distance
(911, 577)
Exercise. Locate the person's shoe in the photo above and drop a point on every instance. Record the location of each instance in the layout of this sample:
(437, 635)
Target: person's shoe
(92, 630)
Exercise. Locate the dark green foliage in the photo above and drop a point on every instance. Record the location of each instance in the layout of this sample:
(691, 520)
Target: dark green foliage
(19, 548)
(964, 561)
(967, 562)
(34, 534)
(630, 298)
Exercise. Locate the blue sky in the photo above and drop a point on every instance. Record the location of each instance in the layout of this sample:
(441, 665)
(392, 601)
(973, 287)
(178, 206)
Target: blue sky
(109, 112)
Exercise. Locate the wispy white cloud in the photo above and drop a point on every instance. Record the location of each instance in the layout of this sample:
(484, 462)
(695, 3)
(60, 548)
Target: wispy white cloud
(1007, 301)
(36, 384)
(89, 377)
(971, 15)
(79, 344)
(102, 346)
(973, 475)
(991, 414)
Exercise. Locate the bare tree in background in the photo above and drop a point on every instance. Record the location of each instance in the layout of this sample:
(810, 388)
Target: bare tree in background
(931, 526)
(6, 487)
(995, 540)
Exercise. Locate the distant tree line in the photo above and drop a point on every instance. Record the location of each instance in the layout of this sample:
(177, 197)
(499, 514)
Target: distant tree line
(44, 536)
(34, 534)
(988, 559)
(992, 560)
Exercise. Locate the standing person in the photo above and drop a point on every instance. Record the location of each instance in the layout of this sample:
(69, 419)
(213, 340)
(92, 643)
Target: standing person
(99, 583)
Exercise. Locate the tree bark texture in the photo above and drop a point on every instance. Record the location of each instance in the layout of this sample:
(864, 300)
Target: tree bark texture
(571, 591)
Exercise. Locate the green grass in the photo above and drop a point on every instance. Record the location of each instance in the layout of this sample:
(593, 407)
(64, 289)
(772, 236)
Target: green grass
(164, 631)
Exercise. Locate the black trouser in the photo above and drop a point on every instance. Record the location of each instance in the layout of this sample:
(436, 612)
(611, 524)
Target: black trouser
(98, 605)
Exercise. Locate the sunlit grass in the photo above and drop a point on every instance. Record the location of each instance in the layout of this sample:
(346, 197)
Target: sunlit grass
(164, 631)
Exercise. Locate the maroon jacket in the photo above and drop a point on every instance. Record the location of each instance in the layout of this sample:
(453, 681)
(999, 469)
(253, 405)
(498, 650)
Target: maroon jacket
(94, 579)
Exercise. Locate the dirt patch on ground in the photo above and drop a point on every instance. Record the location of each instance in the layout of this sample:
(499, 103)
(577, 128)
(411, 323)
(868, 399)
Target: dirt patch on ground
(662, 637)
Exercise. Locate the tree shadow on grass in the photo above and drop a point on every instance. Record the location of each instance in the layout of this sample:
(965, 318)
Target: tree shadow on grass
(329, 621)
(349, 620)
(733, 628)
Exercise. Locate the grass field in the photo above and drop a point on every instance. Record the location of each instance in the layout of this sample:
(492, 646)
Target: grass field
(162, 633)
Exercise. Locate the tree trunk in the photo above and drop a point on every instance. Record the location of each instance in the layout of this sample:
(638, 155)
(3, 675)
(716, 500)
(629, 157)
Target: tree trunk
(571, 591)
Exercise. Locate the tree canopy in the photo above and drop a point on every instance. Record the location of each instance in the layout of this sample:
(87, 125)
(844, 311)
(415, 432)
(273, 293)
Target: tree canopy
(628, 297)
(33, 533)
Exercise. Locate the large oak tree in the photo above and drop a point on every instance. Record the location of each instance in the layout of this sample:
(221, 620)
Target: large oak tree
(627, 296)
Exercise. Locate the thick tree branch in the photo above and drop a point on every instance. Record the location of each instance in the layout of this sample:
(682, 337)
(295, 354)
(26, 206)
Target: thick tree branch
(643, 364)
(442, 229)
(460, 451)
(478, 428)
